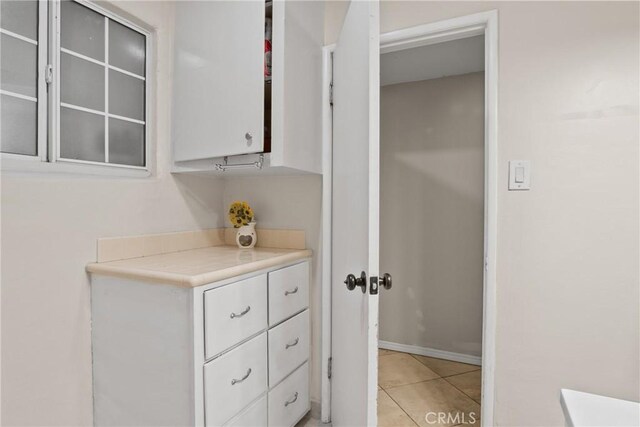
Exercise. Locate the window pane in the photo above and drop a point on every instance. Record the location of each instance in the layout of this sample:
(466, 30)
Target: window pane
(126, 143)
(18, 63)
(20, 17)
(126, 95)
(82, 30)
(19, 126)
(81, 135)
(81, 82)
(126, 48)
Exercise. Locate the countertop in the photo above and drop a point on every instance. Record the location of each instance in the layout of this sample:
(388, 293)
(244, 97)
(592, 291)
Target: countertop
(586, 409)
(197, 267)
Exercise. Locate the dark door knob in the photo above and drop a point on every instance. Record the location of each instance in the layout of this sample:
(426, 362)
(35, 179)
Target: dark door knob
(385, 281)
(352, 281)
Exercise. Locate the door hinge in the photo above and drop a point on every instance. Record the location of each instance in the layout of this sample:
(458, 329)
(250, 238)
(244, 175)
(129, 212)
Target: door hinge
(331, 94)
(329, 367)
(48, 74)
(486, 264)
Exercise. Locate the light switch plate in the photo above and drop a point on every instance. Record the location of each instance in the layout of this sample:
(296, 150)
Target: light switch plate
(519, 175)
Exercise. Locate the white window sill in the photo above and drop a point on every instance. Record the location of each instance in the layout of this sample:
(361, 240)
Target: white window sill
(18, 164)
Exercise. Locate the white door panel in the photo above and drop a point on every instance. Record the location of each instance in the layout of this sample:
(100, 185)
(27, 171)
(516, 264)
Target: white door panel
(356, 88)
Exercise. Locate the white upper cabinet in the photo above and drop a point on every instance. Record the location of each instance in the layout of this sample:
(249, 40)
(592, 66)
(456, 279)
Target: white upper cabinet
(225, 110)
(218, 85)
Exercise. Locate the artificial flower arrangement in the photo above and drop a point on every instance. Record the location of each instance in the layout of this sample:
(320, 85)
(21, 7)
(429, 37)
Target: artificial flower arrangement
(240, 213)
(241, 217)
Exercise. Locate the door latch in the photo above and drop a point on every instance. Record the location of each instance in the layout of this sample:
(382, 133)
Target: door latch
(375, 283)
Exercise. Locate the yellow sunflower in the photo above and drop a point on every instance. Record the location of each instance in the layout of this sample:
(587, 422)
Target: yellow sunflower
(240, 213)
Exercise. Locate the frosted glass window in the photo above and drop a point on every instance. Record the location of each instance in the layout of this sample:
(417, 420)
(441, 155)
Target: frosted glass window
(19, 77)
(20, 17)
(126, 48)
(96, 65)
(82, 134)
(126, 96)
(126, 143)
(18, 66)
(81, 82)
(112, 86)
(82, 30)
(19, 125)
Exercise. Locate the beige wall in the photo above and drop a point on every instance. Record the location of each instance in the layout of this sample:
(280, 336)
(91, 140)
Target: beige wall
(432, 212)
(50, 224)
(290, 202)
(568, 251)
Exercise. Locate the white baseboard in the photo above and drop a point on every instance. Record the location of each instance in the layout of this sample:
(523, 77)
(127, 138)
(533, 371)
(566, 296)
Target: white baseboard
(431, 352)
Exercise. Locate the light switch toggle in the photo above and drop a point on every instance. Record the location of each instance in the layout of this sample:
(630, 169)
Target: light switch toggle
(519, 175)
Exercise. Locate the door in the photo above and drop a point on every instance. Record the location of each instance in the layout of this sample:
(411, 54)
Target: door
(354, 316)
(218, 93)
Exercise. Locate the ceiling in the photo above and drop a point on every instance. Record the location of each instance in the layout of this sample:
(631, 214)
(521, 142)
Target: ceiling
(433, 61)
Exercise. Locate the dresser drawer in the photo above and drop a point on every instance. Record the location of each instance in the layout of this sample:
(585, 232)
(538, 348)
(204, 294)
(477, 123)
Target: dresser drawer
(289, 401)
(288, 347)
(233, 313)
(254, 416)
(234, 380)
(288, 292)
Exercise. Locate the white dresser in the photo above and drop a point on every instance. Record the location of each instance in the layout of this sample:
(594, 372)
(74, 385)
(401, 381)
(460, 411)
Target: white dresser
(234, 352)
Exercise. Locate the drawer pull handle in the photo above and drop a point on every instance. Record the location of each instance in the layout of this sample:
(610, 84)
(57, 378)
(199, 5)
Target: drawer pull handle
(291, 292)
(289, 402)
(246, 310)
(295, 342)
(236, 381)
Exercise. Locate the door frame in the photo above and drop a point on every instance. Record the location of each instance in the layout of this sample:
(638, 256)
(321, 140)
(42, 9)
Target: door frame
(483, 23)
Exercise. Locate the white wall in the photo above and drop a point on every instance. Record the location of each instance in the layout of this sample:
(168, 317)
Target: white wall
(50, 225)
(568, 250)
(293, 202)
(432, 212)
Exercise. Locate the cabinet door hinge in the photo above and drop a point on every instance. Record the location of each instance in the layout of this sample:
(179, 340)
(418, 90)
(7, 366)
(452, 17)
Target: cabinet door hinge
(329, 367)
(48, 74)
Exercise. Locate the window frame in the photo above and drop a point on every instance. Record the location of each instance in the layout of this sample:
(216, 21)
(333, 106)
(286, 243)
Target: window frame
(56, 50)
(41, 98)
(49, 142)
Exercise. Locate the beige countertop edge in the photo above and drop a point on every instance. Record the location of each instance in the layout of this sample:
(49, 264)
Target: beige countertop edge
(192, 281)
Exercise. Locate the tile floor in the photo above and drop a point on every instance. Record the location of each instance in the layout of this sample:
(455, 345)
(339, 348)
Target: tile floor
(410, 386)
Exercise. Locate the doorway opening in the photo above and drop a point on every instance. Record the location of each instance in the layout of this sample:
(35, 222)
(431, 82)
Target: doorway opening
(351, 399)
(432, 207)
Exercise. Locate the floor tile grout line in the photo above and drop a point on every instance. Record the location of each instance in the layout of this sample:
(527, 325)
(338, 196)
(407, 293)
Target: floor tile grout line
(439, 377)
(462, 373)
(462, 391)
(426, 381)
(400, 406)
(417, 382)
(477, 368)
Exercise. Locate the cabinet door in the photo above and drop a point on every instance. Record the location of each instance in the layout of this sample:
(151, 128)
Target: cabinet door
(218, 81)
(296, 124)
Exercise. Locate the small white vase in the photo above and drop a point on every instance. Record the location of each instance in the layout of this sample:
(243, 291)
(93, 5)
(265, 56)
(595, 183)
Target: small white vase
(246, 236)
